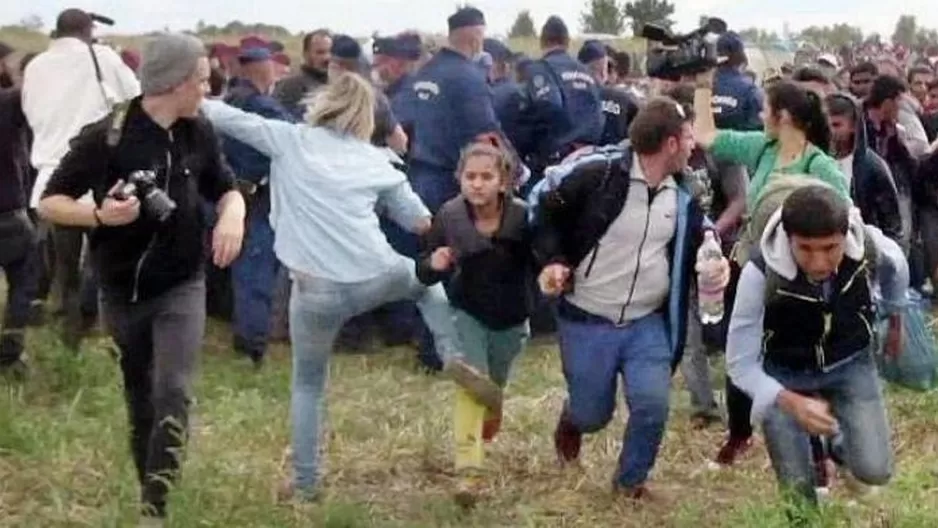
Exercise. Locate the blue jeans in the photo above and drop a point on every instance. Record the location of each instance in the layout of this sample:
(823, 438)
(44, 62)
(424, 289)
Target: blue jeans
(318, 309)
(594, 356)
(855, 394)
(254, 281)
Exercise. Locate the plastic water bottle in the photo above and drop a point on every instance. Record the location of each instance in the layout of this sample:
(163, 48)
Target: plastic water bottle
(709, 295)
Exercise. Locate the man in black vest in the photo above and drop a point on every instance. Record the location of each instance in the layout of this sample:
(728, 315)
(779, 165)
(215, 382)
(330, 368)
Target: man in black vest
(802, 334)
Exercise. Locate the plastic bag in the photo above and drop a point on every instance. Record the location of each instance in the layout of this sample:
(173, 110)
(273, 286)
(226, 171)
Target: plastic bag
(916, 367)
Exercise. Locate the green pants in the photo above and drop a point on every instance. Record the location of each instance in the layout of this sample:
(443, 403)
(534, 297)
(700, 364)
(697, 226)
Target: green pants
(490, 351)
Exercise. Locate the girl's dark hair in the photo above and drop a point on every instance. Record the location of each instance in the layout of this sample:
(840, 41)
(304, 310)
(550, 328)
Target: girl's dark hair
(806, 110)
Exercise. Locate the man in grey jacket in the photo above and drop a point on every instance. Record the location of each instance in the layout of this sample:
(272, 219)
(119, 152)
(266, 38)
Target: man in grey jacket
(801, 337)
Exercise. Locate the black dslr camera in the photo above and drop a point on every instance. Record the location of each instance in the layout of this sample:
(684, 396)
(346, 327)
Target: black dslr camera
(682, 55)
(154, 201)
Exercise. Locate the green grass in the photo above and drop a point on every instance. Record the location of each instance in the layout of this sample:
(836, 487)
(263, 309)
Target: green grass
(64, 459)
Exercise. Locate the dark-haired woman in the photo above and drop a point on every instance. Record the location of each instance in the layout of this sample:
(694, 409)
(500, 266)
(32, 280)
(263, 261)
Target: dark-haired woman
(795, 141)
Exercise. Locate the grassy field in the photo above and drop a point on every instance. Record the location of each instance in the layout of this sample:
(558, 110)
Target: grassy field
(64, 459)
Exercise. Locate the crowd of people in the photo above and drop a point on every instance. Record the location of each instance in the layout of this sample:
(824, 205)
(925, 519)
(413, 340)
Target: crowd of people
(458, 200)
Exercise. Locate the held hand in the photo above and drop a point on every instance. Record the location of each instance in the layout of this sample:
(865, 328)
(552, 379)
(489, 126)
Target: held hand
(114, 212)
(442, 259)
(226, 239)
(813, 414)
(895, 337)
(553, 279)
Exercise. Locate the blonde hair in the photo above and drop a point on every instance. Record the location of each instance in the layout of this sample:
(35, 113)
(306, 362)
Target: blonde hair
(503, 162)
(345, 105)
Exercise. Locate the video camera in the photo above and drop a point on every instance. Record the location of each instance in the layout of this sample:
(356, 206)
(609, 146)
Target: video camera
(682, 55)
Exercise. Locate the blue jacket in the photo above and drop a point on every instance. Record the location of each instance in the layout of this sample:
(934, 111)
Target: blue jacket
(565, 107)
(451, 105)
(574, 216)
(737, 101)
(247, 163)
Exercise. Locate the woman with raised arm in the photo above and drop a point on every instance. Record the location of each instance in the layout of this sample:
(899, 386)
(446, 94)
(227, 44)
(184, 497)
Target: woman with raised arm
(795, 141)
(326, 181)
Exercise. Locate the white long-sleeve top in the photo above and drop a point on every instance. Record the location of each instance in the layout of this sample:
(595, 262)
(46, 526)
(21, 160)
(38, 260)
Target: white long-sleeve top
(61, 94)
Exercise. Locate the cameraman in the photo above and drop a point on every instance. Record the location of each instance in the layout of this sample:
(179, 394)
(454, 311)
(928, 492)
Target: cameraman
(737, 101)
(152, 284)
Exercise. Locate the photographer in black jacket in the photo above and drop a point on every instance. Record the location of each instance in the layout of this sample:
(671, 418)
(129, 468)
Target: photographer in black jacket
(149, 164)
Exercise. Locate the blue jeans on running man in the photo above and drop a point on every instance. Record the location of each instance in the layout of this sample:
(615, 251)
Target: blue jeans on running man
(855, 394)
(318, 309)
(594, 355)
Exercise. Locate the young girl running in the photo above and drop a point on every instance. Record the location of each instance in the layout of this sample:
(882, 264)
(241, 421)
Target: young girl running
(479, 244)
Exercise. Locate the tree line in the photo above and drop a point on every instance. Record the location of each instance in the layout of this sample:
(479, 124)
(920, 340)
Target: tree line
(614, 16)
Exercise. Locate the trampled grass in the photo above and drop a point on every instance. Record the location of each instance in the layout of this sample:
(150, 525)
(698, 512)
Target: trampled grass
(64, 459)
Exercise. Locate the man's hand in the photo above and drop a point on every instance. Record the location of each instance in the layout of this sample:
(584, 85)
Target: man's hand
(895, 337)
(553, 279)
(442, 259)
(114, 212)
(227, 238)
(812, 414)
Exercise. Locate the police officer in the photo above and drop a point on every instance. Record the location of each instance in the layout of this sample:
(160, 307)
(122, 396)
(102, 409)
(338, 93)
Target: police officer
(565, 110)
(508, 97)
(254, 273)
(737, 101)
(452, 106)
(395, 61)
(619, 107)
(347, 57)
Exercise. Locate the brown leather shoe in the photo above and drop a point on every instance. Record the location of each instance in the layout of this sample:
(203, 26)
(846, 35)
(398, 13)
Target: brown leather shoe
(567, 439)
(639, 493)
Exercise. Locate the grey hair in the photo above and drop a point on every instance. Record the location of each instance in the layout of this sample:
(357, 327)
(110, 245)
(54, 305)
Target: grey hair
(168, 60)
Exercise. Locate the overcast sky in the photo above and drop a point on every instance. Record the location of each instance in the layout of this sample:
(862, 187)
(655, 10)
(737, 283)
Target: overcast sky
(361, 17)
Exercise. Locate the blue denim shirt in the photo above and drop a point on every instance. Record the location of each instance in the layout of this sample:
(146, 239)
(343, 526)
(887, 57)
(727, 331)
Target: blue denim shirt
(325, 188)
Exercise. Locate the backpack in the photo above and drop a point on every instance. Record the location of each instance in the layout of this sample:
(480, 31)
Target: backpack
(556, 174)
(771, 199)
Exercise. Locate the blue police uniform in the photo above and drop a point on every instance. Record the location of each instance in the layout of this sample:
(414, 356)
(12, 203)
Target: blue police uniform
(737, 101)
(565, 107)
(254, 272)
(452, 106)
(509, 101)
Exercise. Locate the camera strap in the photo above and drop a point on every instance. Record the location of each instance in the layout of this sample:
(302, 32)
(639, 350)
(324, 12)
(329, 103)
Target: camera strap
(99, 76)
(116, 128)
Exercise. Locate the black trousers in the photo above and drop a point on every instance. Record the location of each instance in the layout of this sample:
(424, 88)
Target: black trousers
(18, 241)
(159, 341)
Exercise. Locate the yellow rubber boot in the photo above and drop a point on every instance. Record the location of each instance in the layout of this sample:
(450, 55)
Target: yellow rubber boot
(468, 415)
